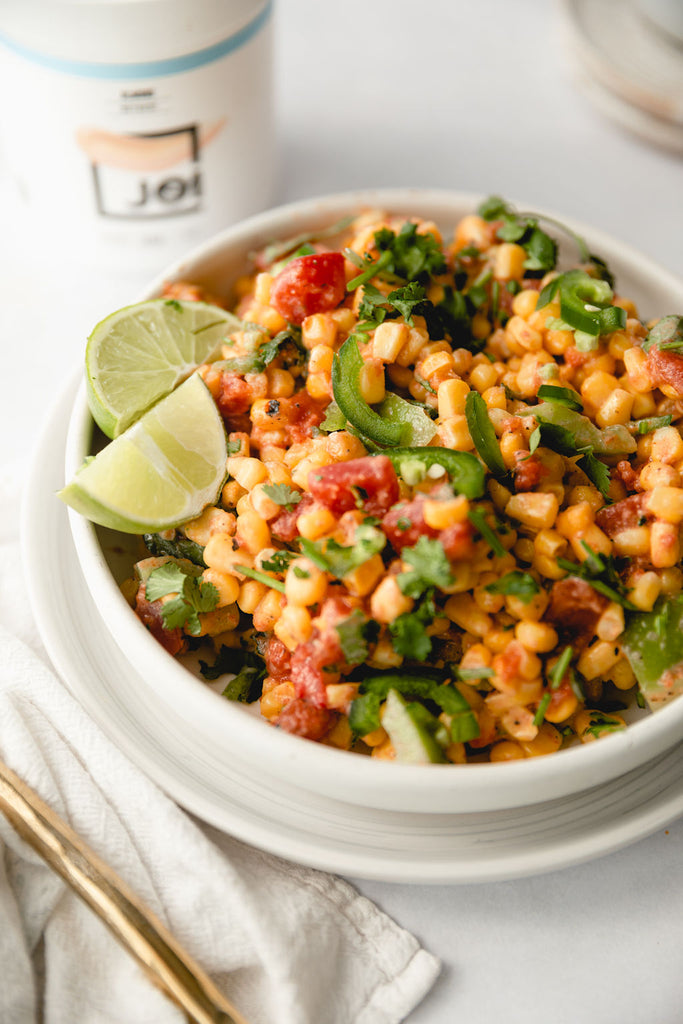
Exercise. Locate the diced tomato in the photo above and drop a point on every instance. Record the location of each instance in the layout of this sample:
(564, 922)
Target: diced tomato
(529, 470)
(304, 719)
(665, 368)
(234, 397)
(304, 414)
(149, 613)
(575, 607)
(277, 659)
(458, 541)
(622, 515)
(284, 527)
(404, 524)
(309, 284)
(370, 483)
(627, 474)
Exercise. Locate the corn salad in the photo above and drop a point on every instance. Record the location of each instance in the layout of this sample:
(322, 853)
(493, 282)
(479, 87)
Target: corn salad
(454, 493)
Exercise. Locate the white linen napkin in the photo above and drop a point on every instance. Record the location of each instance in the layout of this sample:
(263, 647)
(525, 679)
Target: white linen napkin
(286, 944)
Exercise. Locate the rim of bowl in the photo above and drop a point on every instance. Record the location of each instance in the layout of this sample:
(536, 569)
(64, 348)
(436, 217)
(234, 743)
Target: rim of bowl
(327, 770)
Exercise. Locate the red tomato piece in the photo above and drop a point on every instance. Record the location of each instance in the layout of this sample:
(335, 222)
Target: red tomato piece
(665, 368)
(309, 284)
(303, 719)
(149, 613)
(405, 524)
(370, 482)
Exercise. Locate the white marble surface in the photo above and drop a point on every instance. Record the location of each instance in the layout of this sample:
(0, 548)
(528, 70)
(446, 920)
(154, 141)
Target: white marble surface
(477, 97)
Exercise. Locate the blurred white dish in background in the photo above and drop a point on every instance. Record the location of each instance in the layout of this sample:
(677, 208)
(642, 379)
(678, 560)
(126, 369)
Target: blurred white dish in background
(257, 749)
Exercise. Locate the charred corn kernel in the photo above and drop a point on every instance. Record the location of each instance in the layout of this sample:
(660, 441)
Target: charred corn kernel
(268, 414)
(598, 659)
(463, 610)
(671, 580)
(633, 541)
(342, 446)
(319, 329)
(251, 593)
(252, 532)
(547, 741)
(524, 303)
(538, 637)
(616, 408)
(227, 586)
(442, 514)
(276, 699)
(454, 433)
(520, 333)
(417, 339)
(533, 509)
(294, 626)
(597, 387)
(610, 625)
(320, 359)
(507, 750)
(305, 583)
(622, 675)
(667, 445)
(212, 520)
(509, 261)
(371, 381)
(247, 471)
(315, 522)
(268, 611)
(388, 602)
(645, 590)
(665, 548)
(364, 579)
(635, 363)
(280, 383)
(658, 474)
(303, 469)
(388, 340)
(220, 554)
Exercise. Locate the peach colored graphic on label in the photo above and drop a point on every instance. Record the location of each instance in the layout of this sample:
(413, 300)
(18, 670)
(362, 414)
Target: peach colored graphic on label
(143, 153)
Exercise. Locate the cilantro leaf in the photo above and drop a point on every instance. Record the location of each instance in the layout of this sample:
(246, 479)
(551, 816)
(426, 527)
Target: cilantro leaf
(281, 494)
(354, 633)
(413, 256)
(286, 343)
(192, 597)
(601, 723)
(409, 634)
(339, 560)
(602, 573)
(278, 562)
(517, 584)
(429, 568)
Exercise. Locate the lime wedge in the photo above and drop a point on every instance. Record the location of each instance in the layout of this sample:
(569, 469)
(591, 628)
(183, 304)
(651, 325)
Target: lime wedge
(140, 353)
(162, 471)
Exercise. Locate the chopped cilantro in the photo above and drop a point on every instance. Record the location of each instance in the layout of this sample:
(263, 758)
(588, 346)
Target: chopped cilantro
(262, 577)
(559, 669)
(179, 547)
(646, 426)
(602, 574)
(429, 567)
(281, 494)
(477, 518)
(353, 633)
(286, 343)
(249, 668)
(414, 256)
(601, 723)
(278, 562)
(301, 574)
(339, 560)
(409, 634)
(516, 584)
(192, 597)
(542, 708)
(234, 447)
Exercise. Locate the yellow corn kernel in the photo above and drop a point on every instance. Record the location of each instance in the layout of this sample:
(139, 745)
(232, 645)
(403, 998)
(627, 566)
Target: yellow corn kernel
(667, 445)
(247, 471)
(522, 336)
(597, 387)
(533, 509)
(633, 541)
(511, 442)
(547, 741)
(294, 626)
(315, 522)
(268, 611)
(526, 379)
(616, 408)
(264, 506)
(524, 550)
(375, 738)
(524, 303)
(300, 473)
(454, 433)
(575, 519)
(319, 329)
(476, 656)
(340, 695)
(483, 377)
(371, 381)
(227, 586)
(250, 594)
(598, 659)
(280, 383)
(435, 364)
(342, 446)
(507, 750)
(320, 359)
(644, 590)
(658, 474)
(388, 340)
(538, 637)
(672, 581)
(558, 342)
(463, 610)
(442, 514)
(495, 397)
(384, 751)
(665, 548)
(635, 363)
(212, 520)
(548, 567)
(305, 583)
(384, 655)
(562, 707)
(509, 261)
(622, 675)
(610, 625)
(417, 339)
(472, 230)
(644, 405)
(584, 492)
(319, 385)
(388, 602)
(274, 700)
(584, 720)
(252, 532)
(595, 538)
(365, 578)
(220, 554)
(452, 395)
(277, 471)
(550, 543)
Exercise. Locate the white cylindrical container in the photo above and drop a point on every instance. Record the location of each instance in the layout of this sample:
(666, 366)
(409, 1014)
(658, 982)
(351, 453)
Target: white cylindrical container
(134, 129)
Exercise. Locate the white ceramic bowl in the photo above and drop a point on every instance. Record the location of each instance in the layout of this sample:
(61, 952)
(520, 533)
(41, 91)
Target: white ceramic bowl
(224, 729)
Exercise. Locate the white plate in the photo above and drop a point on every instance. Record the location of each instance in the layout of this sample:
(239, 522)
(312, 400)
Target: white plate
(313, 830)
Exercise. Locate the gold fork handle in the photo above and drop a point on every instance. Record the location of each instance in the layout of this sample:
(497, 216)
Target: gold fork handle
(135, 926)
